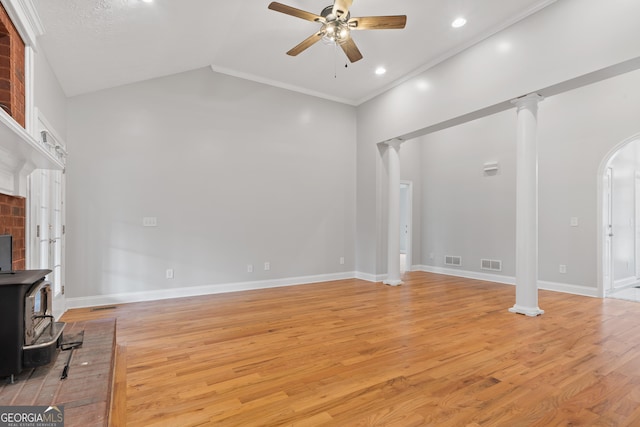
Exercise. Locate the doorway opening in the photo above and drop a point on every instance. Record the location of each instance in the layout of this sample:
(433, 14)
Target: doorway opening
(619, 222)
(406, 218)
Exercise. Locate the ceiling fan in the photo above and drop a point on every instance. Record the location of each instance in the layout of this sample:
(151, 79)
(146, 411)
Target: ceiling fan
(337, 25)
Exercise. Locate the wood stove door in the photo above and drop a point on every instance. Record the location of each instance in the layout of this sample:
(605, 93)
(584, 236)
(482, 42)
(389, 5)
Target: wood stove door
(47, 230)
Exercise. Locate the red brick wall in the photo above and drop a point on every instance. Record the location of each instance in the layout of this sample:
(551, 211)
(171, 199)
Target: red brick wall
(12, 221)
(12, 92)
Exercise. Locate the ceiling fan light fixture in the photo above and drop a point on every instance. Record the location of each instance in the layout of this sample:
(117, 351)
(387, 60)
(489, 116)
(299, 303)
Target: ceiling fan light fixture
(336, 32)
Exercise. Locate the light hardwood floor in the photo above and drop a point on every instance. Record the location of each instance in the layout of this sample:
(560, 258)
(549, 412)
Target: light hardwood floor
(439, 351)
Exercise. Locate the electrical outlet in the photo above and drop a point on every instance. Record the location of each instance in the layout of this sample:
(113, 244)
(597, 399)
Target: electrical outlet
(563, 269)
(341, 260)
(169, 273)
(574, 221)
(267, 266)
(249, 268)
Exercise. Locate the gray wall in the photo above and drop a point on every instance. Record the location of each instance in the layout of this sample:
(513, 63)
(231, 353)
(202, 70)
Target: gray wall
(549, 50)
(236, 173)
(464, 213)
(241, 173)
(48, 95)
(578, 130)
(566, 40)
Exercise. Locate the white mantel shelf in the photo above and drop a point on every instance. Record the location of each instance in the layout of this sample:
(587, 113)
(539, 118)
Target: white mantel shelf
(26, 151)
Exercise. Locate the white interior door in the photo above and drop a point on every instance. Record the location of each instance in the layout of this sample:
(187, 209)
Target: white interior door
(46, 194)
(406, 206)
(636, 223)
(607, 264)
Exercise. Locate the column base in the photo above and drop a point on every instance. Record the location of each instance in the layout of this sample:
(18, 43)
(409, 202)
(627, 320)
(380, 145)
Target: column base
(393, 282)
(527, 311)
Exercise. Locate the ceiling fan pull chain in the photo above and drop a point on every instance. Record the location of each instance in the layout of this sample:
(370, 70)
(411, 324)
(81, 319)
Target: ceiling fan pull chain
(335, 60)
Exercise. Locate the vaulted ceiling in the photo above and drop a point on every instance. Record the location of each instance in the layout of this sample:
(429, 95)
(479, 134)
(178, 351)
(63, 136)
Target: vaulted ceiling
(97, 44)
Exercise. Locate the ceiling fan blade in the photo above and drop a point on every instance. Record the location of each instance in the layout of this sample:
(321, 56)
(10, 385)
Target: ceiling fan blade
(378, 22)
(298, 13)
(306, 43)
(351, 50)
(341, 7)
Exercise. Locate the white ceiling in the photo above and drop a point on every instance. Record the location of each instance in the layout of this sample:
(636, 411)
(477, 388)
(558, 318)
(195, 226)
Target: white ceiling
(97, 44)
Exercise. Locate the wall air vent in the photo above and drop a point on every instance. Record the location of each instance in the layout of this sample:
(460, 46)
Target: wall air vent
(491, 264)
(453, 260)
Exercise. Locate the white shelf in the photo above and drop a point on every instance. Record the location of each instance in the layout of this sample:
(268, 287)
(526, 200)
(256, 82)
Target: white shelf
(24, 150)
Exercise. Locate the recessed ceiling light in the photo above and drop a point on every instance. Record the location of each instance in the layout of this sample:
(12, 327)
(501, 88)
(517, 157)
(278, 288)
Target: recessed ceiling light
(148, 1)
(422, 85)
(458, 22)
(504, 47)
(380, 71)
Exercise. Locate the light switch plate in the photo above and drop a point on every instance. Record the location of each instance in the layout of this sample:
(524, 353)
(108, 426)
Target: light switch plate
(149, 221)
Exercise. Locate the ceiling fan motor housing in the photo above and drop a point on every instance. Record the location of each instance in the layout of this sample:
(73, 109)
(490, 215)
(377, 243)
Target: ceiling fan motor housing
(327, 13)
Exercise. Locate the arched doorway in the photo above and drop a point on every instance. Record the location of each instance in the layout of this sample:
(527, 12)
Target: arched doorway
(619, 221)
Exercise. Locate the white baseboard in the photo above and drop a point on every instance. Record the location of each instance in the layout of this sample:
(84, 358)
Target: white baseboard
(568, 289)
(510, 280)
(627, 281)
(122, 298)
(370, 277)
(489, 277)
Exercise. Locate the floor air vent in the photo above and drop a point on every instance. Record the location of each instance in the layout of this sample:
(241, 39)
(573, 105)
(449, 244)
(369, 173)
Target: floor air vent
(452, 260)
(104, 307)
(491, 264)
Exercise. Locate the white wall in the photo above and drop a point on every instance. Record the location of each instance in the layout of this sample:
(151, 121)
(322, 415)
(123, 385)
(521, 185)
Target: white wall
(236, 173)
(48, 95)
(473, 216)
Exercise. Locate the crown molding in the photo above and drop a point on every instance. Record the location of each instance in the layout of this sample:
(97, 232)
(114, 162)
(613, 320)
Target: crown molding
(458, 49)
(281, 85)
(24, 16)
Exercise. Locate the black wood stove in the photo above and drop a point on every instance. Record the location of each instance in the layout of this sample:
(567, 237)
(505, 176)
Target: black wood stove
(29, 334)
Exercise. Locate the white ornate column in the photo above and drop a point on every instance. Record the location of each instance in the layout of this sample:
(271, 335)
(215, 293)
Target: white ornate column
(393, 221)
(527, 206)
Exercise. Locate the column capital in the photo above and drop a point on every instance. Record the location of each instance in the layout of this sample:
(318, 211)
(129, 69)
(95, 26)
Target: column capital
(394, 143)
(528, 101)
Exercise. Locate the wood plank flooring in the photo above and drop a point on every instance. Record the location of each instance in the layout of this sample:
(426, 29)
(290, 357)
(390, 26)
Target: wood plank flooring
(437, 351)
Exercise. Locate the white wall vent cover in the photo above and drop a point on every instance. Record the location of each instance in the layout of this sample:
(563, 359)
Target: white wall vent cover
(452, 260)
(491, 264)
